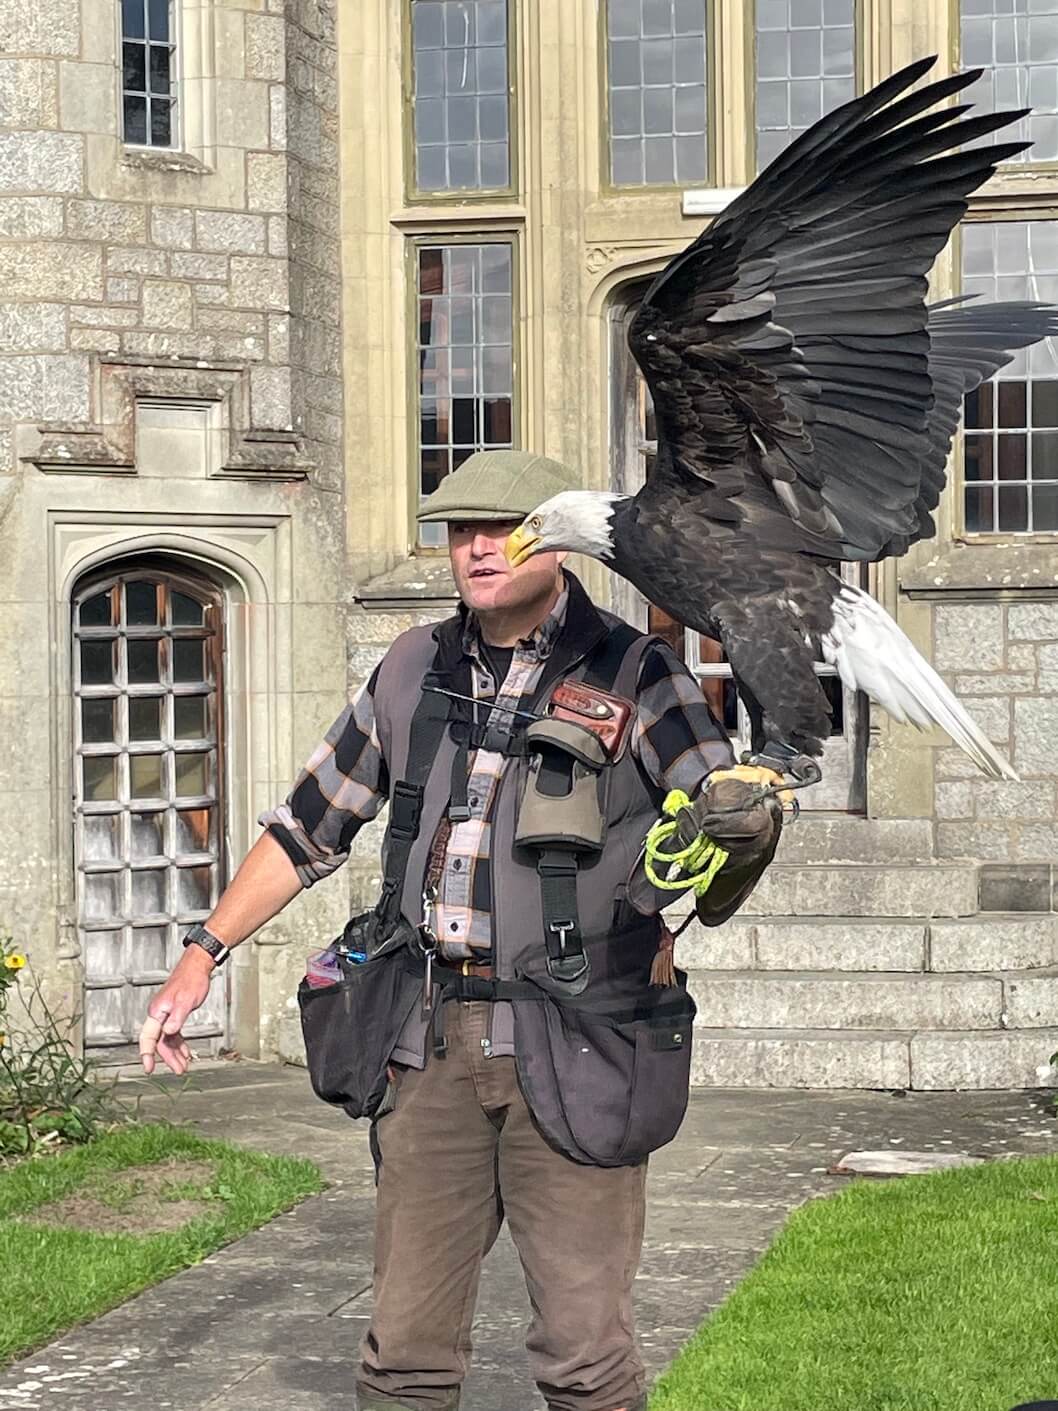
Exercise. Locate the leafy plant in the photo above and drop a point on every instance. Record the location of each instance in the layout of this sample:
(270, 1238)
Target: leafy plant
(49, 1093)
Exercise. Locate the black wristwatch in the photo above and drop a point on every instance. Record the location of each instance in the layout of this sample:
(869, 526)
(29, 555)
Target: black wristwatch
(199, 936)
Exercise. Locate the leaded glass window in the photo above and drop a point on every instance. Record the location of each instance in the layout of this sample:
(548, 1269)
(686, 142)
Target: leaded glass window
(465, 356)
(1016, 43)
(147, 790)
(461, 87)
(656, 86)
(806, 66)
(1010, 447)
(148, 58)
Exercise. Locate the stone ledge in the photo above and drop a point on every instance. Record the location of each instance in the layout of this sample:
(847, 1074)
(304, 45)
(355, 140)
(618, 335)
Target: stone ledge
(799, 1058)
(944, 1061)
(423, 578)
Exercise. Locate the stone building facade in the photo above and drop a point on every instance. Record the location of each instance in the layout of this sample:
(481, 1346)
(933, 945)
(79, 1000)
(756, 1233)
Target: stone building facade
(242, 332)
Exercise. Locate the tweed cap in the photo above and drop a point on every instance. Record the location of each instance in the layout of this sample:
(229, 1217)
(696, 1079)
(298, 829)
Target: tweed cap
(496, 485)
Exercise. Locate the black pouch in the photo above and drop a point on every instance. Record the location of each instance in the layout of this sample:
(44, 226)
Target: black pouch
(607, 1086)
(351, 1027)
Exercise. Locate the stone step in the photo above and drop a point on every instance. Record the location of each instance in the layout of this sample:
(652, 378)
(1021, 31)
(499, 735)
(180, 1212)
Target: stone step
(985, 942)
(827, 1058)
(739, 999)
(844, 837)
(850, 889)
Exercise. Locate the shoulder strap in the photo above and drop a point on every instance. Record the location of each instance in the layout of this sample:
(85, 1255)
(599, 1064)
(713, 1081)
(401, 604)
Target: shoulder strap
(427, 728)
(605, 661)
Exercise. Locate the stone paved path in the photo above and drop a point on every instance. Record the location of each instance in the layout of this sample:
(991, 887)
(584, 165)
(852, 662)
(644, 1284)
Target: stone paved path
(271, 1323)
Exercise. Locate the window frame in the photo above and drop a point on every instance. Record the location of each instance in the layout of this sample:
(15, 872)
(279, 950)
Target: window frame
(1010, 170)
(506, 235)
(982, 215)
(177, 126)
(414, 195)
(713, 113)
(749, 10)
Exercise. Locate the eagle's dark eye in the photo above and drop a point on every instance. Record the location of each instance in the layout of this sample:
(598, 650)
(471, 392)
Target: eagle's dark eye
(535, 522)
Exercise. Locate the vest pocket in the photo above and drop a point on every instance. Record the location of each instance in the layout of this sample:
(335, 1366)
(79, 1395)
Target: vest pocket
(607, 1088)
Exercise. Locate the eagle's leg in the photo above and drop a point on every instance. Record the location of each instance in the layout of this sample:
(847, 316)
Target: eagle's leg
(788, 710)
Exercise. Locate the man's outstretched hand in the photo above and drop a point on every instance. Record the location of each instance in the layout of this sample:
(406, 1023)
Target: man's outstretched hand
(183, 992)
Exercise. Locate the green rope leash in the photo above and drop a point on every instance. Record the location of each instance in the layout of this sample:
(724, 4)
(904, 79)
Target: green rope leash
(694, 866)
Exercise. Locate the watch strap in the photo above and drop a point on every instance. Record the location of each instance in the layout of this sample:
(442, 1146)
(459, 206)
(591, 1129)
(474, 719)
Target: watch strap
(215, 948)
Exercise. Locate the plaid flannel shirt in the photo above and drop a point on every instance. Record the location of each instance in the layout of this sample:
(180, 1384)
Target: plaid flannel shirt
(676, 741)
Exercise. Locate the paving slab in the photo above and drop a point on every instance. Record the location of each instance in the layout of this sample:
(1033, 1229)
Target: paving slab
(273, 1321)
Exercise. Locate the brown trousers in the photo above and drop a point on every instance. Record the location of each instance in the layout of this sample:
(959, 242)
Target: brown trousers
(458, 1154)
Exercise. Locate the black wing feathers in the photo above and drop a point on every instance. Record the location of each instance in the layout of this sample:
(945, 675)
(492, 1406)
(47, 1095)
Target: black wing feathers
(802, 388)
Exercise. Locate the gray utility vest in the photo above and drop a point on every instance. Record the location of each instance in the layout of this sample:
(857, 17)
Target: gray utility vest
(605, 1069)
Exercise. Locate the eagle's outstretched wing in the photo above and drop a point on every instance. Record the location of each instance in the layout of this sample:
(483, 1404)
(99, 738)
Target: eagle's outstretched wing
(968, 343)
(787, 349)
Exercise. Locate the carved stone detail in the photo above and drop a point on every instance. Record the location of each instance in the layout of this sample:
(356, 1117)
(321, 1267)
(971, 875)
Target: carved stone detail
(109, 444)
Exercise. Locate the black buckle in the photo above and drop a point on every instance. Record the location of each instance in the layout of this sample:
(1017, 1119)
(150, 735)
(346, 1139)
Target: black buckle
(405, 810)
(567, 968)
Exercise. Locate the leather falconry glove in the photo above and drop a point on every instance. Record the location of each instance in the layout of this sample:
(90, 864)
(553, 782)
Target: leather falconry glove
(735, 813)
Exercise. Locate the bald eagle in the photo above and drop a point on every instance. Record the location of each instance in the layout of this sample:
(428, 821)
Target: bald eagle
(806, 398)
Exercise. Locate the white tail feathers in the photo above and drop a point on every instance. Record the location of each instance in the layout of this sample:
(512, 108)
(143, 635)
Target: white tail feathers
(873, 655)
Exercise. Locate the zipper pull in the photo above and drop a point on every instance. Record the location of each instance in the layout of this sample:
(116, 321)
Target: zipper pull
(427, 984)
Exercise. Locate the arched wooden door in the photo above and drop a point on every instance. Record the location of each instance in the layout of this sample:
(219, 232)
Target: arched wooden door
(148, 790)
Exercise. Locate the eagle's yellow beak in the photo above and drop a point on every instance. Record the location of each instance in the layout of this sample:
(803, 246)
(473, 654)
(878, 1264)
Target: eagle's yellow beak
(521, 544)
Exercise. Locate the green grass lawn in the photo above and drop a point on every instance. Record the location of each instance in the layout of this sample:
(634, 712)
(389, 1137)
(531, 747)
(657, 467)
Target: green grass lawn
(926, 1293)
(52, 1278)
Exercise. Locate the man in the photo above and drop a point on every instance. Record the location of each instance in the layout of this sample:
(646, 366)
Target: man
(512, 1108)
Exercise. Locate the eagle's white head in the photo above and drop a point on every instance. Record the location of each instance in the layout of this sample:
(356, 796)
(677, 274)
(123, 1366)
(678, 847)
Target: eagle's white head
(578, 520)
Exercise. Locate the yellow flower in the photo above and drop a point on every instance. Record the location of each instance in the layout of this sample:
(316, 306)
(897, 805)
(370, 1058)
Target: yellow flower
(14, 961)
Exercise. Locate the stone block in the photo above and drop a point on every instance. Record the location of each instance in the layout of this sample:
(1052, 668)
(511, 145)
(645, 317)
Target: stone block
(802, 1000)
(22, 86)
(259, 283)
(116, 222)
(228, 320)
(278, 338)
(843, 944)
(954, 800)
(242, 113)
(992, 714)
(1030, 1001)
(103, 316)
(362, 661)
(173, 226)
(266, 181)
(135, 261)
(167, 345)
(32, 328)
(1034, 622)
(975, 841)
(1035, 734)
(239, 346)
(230, 232)
(65, 387)
(864, 891)
(277, 117)
(1012, 682)
(122, 291)
(41, 162)
(47, 269)
(968, 636)
(265, 47)
(166, 304)
(187, 266)
(744, 1059)
(952, 763)
(1035, 842)
(1008, 887)
(1005, 799)
(270, 398)
(21, 388)
(817, 839)
(88, 98)
(728, 947)
(30, 217)
(212, 296)
(942, 1062)
(96, 340)
(278, 229)
(37, 27)
(998, 942)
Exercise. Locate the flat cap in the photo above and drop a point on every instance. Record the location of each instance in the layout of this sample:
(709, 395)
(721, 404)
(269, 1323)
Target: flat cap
(497, 485)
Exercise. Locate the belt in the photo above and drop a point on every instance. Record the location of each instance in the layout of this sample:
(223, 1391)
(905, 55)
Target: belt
(483, 970)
